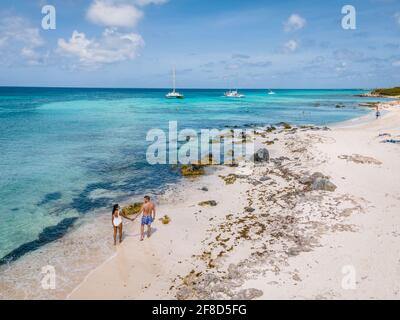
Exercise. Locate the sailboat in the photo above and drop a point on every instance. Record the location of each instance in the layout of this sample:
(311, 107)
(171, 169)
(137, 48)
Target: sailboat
(174, 94)
(271, 92)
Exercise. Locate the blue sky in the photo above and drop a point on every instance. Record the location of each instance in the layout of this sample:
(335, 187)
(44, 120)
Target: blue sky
(214, 44)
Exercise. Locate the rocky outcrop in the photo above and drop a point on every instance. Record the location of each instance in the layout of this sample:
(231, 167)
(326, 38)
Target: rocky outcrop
(262, 155)
(132, 209)
(210, 203)
(318, 181)
(190, 170)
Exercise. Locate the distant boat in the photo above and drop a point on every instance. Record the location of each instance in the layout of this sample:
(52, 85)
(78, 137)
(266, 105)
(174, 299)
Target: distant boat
(271, 92)
(233, 94)
(174, 94)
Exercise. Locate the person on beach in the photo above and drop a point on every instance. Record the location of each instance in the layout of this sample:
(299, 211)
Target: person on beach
(148, 211)
(116, 220)
(378, 113)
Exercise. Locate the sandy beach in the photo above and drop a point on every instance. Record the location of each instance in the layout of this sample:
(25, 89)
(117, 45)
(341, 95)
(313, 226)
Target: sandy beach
(318, 221)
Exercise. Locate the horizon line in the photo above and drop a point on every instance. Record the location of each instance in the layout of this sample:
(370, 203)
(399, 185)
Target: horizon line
(180, 88)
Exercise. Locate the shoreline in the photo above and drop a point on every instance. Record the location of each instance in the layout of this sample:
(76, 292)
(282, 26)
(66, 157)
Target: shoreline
(102, 255)
(138, 282)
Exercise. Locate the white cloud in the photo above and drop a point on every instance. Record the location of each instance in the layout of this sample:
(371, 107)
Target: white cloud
(396, 63)
(19, 39)
(295, 22)
(112, 47)
(112, 13)
(143, 3)
(290, 46)
(397, 17)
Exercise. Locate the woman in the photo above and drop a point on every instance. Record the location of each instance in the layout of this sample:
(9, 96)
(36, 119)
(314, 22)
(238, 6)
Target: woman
(116, 220)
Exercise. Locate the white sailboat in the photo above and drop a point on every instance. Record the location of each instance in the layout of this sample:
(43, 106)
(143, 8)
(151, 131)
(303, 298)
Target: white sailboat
(174, 94)
(271, 92)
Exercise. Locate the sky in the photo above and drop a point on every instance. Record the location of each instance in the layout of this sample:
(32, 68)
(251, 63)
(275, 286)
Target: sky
(212, 44)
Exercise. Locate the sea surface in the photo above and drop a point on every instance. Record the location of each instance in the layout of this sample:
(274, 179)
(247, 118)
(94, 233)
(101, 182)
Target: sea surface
(67, 153)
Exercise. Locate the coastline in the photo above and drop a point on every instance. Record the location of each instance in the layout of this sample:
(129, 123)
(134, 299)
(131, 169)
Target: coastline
(192, 257)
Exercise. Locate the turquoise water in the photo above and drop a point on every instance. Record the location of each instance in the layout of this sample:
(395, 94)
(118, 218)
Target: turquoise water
(68, 152)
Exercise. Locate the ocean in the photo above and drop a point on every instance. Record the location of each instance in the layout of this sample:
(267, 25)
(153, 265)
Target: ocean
(68, 153)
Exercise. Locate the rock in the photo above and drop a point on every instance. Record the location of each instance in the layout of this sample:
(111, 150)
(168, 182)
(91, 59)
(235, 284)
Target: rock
(249, 209)
(204, 189)
(211, 203)
(265, 178)
(230, 179)
(188, 170)
(285, 125)
(132, 209)
(262, 155)
(233, 271)
(268, 143)
(323, 184)
(318, 181)
(307, 179)
(247, 294)
(184, 293)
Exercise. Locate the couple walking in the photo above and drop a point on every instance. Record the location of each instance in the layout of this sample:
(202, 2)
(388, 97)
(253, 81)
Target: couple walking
(148, 211)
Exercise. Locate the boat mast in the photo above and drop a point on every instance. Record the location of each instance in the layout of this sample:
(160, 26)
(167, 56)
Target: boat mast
(173, 79)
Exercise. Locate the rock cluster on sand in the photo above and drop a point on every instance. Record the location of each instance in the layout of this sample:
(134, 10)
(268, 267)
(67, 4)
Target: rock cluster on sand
(230, 178)
(318, 181)
(189, 170)
(211, 203)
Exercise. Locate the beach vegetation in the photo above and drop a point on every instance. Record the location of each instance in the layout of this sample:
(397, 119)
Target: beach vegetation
(132, 209)
(391, 92)
(165, 219)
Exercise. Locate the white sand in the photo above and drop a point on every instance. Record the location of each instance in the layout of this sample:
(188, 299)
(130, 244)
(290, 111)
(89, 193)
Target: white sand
(294, 245)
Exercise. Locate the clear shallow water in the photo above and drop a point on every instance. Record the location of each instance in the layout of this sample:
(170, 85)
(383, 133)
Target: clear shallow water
(68, 152)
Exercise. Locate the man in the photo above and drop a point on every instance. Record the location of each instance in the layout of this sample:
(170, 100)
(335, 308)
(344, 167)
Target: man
(148, 211)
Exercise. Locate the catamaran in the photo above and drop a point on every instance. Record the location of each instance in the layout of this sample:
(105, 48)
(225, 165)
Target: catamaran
(233, 94)
(174, 94)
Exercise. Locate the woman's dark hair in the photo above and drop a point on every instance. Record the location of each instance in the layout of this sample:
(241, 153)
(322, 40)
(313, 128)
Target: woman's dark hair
(115, 207)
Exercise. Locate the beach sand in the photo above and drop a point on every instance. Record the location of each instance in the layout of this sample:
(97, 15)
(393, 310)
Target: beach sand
(273, 234)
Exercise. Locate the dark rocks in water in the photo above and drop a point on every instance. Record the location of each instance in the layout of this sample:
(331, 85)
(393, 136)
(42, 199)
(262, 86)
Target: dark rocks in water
(249, 209)
(211, 203)
(262, 155)
(340, 105)
(54, 196)
(270, 129)
(285, 125)
(48, 235)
